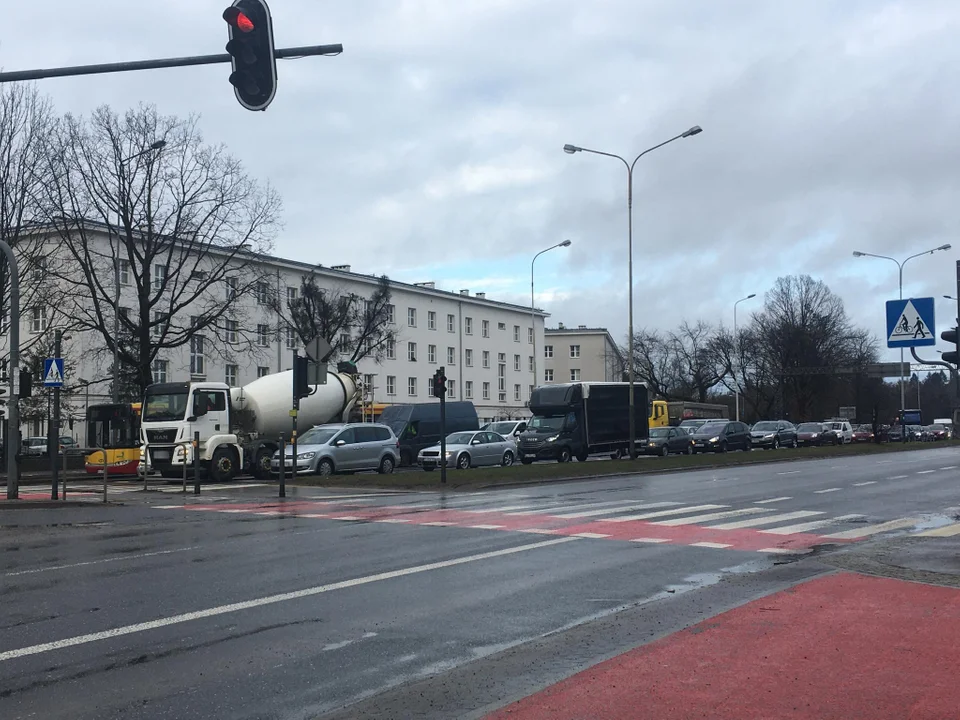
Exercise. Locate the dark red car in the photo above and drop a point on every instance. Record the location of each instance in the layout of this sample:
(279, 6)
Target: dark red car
(864, 433)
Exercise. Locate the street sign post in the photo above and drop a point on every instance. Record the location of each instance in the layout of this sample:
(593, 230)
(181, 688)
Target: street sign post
(911, 323)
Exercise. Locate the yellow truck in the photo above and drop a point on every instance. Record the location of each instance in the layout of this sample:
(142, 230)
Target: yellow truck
(672, 413)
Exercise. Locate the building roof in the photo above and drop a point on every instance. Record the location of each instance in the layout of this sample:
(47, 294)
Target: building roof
(579, 330)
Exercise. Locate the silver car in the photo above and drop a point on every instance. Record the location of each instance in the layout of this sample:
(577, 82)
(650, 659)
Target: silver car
(470, 449)
(329, 449)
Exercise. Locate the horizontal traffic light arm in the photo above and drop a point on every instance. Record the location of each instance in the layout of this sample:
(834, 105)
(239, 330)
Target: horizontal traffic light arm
(279, 54)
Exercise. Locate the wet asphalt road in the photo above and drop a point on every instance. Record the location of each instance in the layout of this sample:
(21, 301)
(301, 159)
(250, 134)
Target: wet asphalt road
(129, 612)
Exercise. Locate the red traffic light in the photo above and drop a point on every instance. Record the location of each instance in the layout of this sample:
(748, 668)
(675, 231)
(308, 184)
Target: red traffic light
(237, 19)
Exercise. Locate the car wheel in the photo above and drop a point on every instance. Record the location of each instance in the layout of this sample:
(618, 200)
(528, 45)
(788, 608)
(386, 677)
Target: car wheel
(564, 455)
(747, 446)
(527, 461)
(664, 451)
(794, 444)
(507, 459)
(463, 462)
(776, 443)
(723, 446)
(325, 467)
(386, 465)
(690, 450)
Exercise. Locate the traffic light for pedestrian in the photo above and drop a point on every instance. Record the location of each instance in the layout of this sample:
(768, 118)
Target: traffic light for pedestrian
(440, 383)
(26, 384)
(253, 66)
(951, 356)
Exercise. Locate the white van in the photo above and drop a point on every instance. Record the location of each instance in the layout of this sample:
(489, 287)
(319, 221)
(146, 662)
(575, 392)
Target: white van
(843, 428)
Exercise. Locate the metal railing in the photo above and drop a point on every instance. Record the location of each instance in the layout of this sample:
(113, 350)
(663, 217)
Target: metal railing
(85, 452)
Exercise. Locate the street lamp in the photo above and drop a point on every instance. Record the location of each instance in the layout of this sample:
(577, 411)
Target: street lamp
(115, 394)
(533, 320)
(900, 264)
(570, 150)
(736, 387)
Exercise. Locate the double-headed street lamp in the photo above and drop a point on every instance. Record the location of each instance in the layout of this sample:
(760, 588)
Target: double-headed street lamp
(736, 387)
(533, 317)
(900, 264)
(570, 150)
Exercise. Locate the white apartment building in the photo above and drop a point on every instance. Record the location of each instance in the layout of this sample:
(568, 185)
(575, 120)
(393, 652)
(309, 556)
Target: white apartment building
(581, 354)
(486, 346)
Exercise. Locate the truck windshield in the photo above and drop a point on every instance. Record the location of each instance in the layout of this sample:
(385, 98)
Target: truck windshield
(165, 406)
(545, 423)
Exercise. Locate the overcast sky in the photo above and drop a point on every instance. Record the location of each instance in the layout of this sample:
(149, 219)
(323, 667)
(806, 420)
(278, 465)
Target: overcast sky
(432, 148)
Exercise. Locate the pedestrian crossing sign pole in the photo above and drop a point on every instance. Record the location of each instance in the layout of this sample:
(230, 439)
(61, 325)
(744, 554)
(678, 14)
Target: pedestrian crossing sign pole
(911, 323)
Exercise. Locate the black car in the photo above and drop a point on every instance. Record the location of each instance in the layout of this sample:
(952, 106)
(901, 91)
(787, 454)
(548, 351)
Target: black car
(816, 433)
(721, 436)
(666, 440)
(774, 434)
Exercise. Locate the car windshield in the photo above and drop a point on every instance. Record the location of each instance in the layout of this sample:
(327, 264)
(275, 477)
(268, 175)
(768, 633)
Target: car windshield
(546, 423)
(660, 432)
(501, 428)
(810, 427)
(317, 436)
(36, 442)
(765, 426)
(712, 428)
(938, 428)
(459, 438)
(865, 428)
(165, 406)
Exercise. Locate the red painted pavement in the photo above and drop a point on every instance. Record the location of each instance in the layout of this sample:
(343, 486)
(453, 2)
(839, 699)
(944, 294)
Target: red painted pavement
(841, 647)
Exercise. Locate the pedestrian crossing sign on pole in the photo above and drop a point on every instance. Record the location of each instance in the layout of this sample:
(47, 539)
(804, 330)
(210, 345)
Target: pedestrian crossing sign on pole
(911, 323)
(53, 372)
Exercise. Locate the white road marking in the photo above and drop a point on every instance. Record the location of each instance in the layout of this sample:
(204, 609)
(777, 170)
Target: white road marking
(169, 507)
(874, 529)
(611, 511)
(438, 524)
(485, 527)
(897, 477)
(945, 531)
(884, 462)
(784, 551)
(540, 531)
(769, 520)
(315, 515)
(807, 526)
(345, 517)
(590, 535)
(710, 517)
(925, 472)
(33, 571)
(821, 492)
(268, 600)
(949, 467)
(393, 521)
(789, 472)
(650, 540)
(664, 513)
(717, 546)
(868, 482)
(773, 500)
(507, 508)
(269, 512)
(556, 508)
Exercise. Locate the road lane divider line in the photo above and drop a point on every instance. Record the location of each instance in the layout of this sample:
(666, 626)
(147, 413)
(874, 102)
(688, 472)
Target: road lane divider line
(874, 529)
(868, 482)
(769, 520)
(33, 571)
(268, 600)
(773, 500)
(812, 525)
(697, 519)
(611, 511)
(897, 477)
(945, 531)
(925, 472)
(828, 490)
(949, 467)
(664, 513)
(789, 472)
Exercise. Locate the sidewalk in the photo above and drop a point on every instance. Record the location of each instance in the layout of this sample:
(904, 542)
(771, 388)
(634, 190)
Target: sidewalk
(839, 647)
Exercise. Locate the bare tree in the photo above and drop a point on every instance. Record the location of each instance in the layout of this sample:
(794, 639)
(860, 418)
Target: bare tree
(178, 228)
(681, 365)
(356, 326)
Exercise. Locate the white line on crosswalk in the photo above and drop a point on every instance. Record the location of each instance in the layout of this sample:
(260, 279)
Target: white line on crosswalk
(828, 490)
(785, 551)
(808, 526)
(773, 500)
(655, 541)
(945, 531)
(868, 482)
(505, 508)
(392, 521)
(485, 527)
(874, 529)
(611, 511)
(696, 519)
(770, 520)
(553, 507)
(438, 524)
(593, 536)
(663, 513)
(718, 546)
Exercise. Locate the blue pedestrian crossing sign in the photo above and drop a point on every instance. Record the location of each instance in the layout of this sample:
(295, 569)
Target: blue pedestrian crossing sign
(53, 372)
(910, 323)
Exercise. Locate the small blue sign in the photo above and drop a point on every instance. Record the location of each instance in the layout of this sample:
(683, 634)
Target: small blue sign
(911, 323)
(53, 372)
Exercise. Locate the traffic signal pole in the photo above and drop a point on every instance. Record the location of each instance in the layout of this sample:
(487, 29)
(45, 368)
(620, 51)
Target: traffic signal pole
(13, 406)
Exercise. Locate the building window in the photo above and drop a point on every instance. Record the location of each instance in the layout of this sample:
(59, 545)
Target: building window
(263, 371)
(344, 342)
(548, 351)
(197, 365)
(468, 325)
(391, 313)
(516, 393)
(263, 294)
(199, 275)
(451, 323)
(502, 378)
(160, 324)
(124, 270)
(230, 331)
(452, 388)
(451, 356)
(431, 320)
(291, 339)
(391, 349)
(530, 335)
(530, 363)
(529, 391)
(468, 390)
(412, 351)
(574, 351)
(485, 328)
(231, 288)
(368, 383)
(548, 375)
(486, 391)
(292, 295)
(391, 384)
(159, 277)
(411, 317)
(263, 335)
(516, 333)
(574, 374)
(431, 353)
(516, 363)
(468, 357)
(159, 371)
(38, 320)
(230, 373)
(501, 326)
(412, 387)
(430, 388)
(502, 358)
(486, 359)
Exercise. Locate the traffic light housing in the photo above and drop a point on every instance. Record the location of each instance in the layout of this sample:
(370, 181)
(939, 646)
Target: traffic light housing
(301, 384)
(250, 45)
(26, 384)
(440, 383)
(951, 356)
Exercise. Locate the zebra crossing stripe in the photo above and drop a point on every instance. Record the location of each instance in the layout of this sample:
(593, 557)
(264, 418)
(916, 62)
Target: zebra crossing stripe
(808, 526)
(874, 529)
(664, 513)
(611, 511)
(769, 520)
(697, 519)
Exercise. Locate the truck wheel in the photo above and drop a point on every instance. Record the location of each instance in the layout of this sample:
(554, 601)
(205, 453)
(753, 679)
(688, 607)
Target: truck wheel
(507, 459)
(527, 461)
(463, 462)
(325, 467)
(564, 455)
(223, 467)
(582, 457)
(386, 465)
(261, 463)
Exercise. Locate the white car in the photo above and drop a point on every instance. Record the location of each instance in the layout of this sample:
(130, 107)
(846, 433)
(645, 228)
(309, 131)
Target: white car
(843, 428)
(510, 429)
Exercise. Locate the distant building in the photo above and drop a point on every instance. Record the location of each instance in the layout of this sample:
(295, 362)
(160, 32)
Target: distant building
(581, 353)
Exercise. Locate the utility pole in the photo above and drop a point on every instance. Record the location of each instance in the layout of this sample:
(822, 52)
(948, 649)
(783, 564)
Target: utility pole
(13, 406)
(53, 443)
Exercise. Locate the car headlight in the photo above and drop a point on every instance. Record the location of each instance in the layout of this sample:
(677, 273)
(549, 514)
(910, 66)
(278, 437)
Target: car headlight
(552, 438)
(306, 456)
(652, 444)
(715, 439)
(768, 437)
(450, 453)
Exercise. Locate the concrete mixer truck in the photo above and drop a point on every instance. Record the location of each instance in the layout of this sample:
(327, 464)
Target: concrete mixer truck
(240, 428)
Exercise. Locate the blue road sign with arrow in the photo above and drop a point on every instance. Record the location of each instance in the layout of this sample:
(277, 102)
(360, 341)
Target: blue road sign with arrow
(911, 323)
(53, 372)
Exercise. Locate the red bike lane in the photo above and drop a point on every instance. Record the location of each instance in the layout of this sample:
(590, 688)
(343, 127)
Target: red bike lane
(838, 647)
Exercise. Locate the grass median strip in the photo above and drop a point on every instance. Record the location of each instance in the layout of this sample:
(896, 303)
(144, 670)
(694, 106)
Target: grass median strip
(546, 472)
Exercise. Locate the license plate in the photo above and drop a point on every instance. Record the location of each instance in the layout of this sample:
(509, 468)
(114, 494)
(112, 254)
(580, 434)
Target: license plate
(161, 454)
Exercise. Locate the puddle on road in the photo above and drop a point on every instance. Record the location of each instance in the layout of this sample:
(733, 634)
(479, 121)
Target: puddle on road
(932, 521)
(702, 580)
